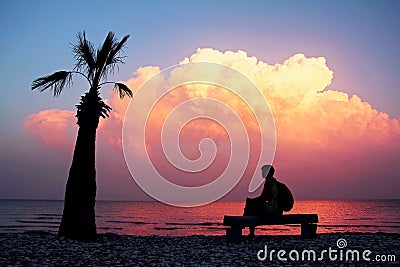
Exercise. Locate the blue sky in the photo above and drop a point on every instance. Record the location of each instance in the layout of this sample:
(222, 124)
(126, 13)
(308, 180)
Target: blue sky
(359, 39)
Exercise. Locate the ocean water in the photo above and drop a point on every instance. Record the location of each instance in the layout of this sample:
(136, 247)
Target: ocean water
(154, 218)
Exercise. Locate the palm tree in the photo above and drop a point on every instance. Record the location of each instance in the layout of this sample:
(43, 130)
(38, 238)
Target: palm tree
(78, 220)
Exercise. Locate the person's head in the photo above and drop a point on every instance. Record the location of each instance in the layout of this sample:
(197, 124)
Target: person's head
(267, 171)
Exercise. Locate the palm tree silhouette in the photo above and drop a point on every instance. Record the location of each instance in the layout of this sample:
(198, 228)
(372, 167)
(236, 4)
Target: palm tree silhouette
(78, 220)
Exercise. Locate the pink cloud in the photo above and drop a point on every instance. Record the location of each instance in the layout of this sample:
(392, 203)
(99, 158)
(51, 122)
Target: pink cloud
(54, 128)
(322, 134)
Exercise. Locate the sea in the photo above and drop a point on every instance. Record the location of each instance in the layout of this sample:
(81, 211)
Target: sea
(155, 218)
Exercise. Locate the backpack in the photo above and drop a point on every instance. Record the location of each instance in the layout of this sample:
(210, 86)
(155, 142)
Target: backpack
(285, 197)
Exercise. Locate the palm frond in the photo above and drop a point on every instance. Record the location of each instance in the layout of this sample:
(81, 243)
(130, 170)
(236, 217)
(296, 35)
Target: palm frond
(117, 49)
(105, 110)
(84, 54)
(102, 54)
(123, 90)
(108, 56)
(56, 81)
(114, 55)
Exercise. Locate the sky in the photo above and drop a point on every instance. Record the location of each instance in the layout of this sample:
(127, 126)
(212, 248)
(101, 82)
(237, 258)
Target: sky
(327, 69)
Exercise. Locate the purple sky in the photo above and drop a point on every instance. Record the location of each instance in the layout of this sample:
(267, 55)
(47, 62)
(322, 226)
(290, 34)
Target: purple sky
(358, 39)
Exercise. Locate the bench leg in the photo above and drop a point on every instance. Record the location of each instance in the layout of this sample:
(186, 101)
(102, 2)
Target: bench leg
(308, 230)
(234, 235)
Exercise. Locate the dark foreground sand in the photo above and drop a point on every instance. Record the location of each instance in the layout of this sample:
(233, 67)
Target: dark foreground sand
(46, 249)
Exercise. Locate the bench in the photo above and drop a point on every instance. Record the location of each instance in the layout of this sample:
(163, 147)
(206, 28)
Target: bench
(237, 223)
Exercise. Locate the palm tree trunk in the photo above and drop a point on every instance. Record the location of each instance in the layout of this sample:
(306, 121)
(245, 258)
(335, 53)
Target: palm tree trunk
(78, 220)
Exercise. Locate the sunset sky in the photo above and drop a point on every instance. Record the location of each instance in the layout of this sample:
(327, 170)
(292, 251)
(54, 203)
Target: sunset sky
(329, 71)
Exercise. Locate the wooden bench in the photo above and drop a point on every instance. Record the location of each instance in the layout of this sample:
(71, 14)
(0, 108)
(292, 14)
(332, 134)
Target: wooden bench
(237, 223)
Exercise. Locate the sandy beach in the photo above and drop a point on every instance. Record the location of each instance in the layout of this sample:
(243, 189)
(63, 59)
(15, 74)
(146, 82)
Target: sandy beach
(46, 249)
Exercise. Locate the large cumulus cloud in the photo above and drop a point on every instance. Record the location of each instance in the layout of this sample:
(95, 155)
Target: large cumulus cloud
(330, 144)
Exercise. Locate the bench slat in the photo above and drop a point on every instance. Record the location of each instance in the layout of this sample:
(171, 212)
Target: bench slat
(244, 221)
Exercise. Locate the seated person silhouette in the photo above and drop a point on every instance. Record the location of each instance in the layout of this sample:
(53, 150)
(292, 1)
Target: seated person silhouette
(267, 205)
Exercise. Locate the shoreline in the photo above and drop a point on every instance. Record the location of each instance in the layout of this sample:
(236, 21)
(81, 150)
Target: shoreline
(39, 248)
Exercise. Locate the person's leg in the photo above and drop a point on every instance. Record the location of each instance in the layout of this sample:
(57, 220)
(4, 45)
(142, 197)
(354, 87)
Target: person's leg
(252, 229)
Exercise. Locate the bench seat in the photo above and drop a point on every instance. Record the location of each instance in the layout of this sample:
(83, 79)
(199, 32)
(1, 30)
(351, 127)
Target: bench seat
(237, 223)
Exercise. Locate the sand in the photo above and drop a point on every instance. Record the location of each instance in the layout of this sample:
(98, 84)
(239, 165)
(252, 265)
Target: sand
(46, 249)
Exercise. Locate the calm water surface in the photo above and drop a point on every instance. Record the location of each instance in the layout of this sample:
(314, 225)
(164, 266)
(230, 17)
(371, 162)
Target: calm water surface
(154, 218)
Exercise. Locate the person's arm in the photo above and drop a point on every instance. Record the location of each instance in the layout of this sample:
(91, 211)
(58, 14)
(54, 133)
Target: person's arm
(266, 193)
(274, 200)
